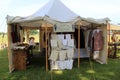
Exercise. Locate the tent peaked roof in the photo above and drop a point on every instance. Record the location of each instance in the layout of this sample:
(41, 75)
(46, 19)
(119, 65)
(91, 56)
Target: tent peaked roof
(56, 10)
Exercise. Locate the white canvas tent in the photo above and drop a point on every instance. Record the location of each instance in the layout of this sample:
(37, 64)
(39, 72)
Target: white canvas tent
(54, 13)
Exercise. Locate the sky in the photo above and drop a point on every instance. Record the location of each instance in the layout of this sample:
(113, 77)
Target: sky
(85, 8)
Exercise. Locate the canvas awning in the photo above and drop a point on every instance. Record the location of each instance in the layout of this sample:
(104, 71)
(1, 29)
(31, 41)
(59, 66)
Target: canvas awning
(53, 12)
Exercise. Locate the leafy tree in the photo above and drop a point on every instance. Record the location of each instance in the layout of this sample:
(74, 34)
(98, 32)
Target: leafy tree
(33, 32)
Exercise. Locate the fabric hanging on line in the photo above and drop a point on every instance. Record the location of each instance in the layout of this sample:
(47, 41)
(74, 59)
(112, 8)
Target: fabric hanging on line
(70, 42)
(64, 42)
(90, 41)
(62, 55)
(53, 36)
(54, 43)
(53, 55)
(69, 64)
(68, 36)
(82, 39)
(60, 36)
(98, 40)
(60, 45)
(70, 53)
(61, 65)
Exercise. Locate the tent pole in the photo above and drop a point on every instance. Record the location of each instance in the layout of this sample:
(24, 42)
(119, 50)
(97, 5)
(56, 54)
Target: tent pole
(78, 46)
(9, 48)
(46, 37)
(109, 30)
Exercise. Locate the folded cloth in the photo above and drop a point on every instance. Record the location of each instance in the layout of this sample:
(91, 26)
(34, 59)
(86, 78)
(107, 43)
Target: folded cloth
(62, 55)
(70, 53)
(53, 55)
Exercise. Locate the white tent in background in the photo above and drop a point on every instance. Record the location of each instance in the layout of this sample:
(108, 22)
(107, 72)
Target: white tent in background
(55, 13)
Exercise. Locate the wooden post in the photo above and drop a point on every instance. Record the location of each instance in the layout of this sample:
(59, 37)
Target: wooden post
(46, 37)
(78, 46)
(109, 30)
(39, 40)
(10, 56)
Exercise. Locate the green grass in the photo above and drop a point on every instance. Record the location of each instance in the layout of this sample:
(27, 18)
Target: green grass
(3, 40)
(36, 71)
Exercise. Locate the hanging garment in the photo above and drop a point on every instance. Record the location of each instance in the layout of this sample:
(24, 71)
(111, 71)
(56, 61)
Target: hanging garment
(90, 39)
(98, 40)
(62, 55)
(70, 53)
(53, 55)
(82, 39)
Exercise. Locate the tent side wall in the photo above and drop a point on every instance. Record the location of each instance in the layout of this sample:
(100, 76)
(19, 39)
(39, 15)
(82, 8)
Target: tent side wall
(10, 55)
(103, 54)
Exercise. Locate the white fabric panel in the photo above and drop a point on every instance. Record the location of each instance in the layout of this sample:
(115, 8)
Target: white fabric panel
(62, 55)
(67, 64)
(64, 42)
(54, 43)
(56, 10)
(68, 36)
(70, 53)
(64, 27)
(61, 36)
(54, 55)
(54, 36)
(70, 42)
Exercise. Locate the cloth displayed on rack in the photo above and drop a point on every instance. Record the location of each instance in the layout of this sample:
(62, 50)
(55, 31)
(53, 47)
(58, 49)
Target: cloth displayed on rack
(54, 55)
(62, 52)
(70, 42)
(53, 43)
(67, 64)
(60, 36)
(68, 36)
(53, 36)
(60, 45)
(64, 42)
(62, 55)
(70, 53)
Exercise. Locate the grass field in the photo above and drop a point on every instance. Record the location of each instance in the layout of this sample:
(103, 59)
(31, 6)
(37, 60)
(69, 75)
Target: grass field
(36, 71)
